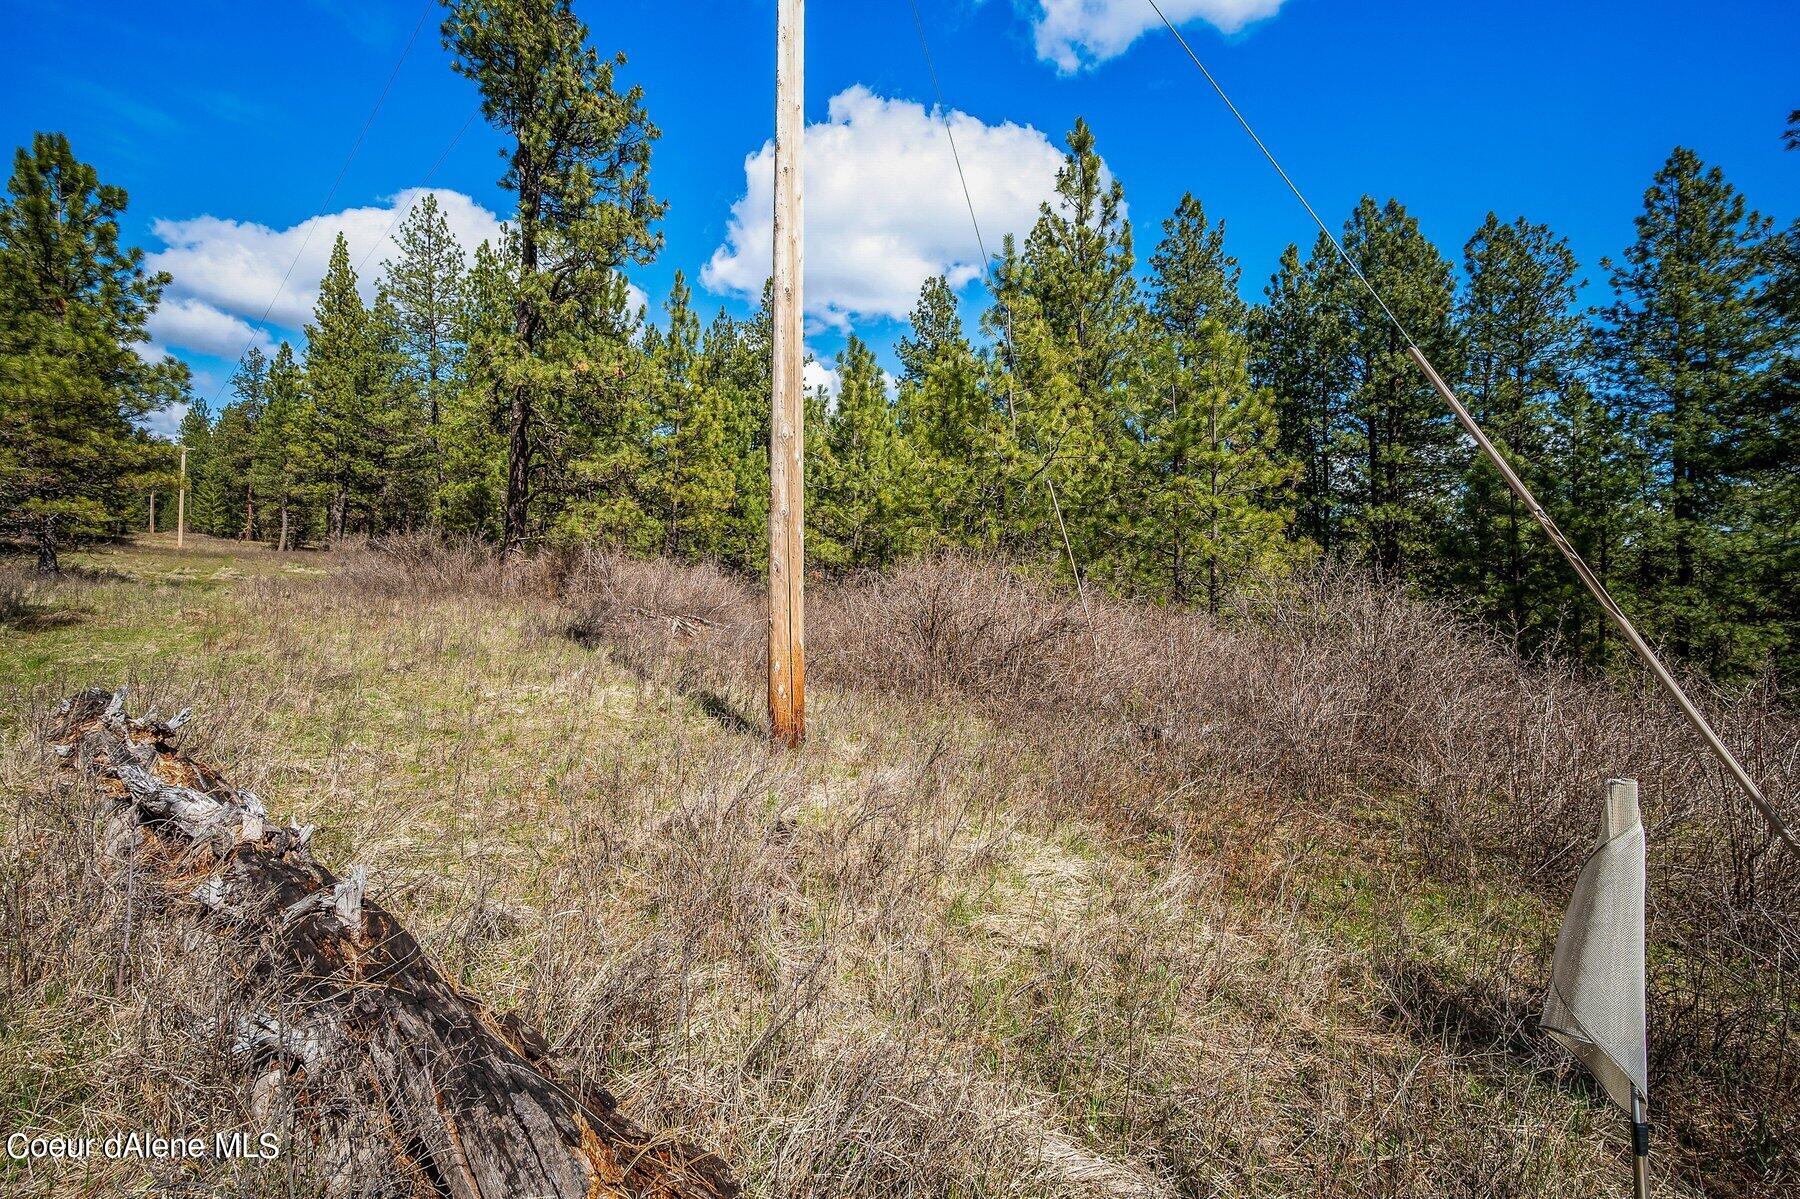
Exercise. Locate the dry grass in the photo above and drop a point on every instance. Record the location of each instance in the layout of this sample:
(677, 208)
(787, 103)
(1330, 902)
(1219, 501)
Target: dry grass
(17, 587)
(1180, 907)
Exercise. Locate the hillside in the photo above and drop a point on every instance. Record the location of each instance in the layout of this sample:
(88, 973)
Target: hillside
(1147, 904)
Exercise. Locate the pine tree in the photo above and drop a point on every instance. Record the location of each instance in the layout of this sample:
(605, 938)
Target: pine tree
(690, 455)
(1405, 453)
(936, 327)
(220, 486)
(1690, 350)
(473, 443)
(955, 433)
(1522, 336)
(1773, 493)
(424, 284)
(599, 484)
(1068, 317)
(866, 506)
(401, 453)
(735, 369)
(579, 165)
(1212, 478)
(1593, 496)
(73, 303)
(234, 437)
(1299, 353)
(194, 435)
(1197, 281)
(283, 461)
(342, 385)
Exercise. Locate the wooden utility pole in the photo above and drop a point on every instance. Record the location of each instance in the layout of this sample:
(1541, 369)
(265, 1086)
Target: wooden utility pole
(787, 438)
(181, 504)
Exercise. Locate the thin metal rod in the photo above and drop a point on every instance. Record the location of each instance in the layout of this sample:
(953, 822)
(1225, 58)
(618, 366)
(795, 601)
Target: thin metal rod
(1589, 579)
(1640, 1147)
(1610, 606)
(787, 436)
(1280, 170)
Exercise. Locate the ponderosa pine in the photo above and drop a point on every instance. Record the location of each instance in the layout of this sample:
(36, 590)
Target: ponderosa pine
(1690, 348)
(579, 163)
(1522, 336)
(424, 282)
(73, 304)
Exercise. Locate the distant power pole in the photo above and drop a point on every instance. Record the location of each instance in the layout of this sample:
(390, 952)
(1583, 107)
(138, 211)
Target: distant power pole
(787, 438)
(181, 504)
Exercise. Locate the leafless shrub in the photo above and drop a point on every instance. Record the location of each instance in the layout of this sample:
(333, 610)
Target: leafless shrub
(1348, 712)
(1146, 905)
(421, 564)
(606, 589)
(950, 625)
(17, 586)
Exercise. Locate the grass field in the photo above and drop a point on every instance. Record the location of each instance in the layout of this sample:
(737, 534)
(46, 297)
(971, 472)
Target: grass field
(982, 936)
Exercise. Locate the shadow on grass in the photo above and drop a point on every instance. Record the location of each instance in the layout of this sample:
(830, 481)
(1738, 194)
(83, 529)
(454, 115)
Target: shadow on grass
(722, 710)
(43, 620)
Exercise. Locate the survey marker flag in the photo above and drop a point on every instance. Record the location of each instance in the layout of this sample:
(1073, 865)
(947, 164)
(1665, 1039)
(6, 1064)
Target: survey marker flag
(1595, 1007)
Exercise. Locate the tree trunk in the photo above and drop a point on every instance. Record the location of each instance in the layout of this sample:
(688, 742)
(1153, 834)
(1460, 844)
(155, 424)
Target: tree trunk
(453, 1100)
(518, 471)
(47, 563)
(283, 544)
(518, 416)
(1212, 487)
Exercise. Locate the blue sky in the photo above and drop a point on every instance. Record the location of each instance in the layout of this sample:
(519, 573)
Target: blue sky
(228, 123)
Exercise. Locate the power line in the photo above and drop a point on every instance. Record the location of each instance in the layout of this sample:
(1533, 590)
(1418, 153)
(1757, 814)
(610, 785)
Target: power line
(429, 176)
(337, 182)
(1285, 178)
(1589, 579)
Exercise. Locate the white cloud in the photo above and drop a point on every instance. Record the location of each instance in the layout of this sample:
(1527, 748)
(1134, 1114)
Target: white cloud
(167, 423)
(196, 325)
(234, 268)
(1082, 33)
(149, 351)
(816, 374)
(884, 208)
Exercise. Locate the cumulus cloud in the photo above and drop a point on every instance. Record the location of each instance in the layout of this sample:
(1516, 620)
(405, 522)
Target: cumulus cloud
(166, 423)
(225, 272)
(198, 326)
(884, 208)
(815, 375)
(1082, 33)
(822, 373)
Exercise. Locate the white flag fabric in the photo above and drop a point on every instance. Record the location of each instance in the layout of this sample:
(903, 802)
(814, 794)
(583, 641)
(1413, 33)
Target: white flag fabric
(1595, 1008)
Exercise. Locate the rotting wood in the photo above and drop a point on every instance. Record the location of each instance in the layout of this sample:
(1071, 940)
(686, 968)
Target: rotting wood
(473, 1105)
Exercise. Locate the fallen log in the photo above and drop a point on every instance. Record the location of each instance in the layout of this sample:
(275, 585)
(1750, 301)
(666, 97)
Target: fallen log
(467, 1102)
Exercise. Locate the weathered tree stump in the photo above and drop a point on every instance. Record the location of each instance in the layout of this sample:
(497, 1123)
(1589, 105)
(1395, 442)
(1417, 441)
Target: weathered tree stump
(468, 1103)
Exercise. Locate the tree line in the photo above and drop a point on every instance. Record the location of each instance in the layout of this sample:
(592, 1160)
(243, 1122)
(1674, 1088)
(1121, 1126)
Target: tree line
(1139, 421)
